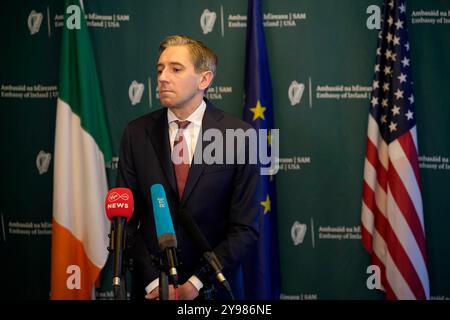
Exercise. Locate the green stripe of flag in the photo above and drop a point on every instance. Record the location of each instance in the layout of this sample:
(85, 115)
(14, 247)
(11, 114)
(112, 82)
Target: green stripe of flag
(79, 86)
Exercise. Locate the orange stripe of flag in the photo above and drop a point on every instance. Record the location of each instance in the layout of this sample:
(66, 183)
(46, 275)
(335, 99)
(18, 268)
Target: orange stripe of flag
(68, 251)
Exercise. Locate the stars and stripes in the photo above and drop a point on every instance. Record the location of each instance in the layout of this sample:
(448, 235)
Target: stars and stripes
(392, 220)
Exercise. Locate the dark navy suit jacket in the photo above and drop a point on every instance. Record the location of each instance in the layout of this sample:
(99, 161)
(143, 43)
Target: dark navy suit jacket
(221, 198)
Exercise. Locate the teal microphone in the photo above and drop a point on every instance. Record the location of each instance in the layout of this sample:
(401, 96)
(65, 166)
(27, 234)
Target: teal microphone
(165, 232)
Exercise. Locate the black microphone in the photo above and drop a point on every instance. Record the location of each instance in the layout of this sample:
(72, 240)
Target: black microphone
(200, 241)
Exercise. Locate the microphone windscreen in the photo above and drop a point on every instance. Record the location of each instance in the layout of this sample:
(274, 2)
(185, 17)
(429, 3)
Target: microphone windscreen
(119, 202)
(161, 212)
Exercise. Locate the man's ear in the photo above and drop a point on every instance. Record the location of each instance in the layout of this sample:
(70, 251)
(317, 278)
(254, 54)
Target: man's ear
(205, 80)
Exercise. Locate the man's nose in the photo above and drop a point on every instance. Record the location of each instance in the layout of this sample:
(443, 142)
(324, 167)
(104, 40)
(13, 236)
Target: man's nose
(162, 77)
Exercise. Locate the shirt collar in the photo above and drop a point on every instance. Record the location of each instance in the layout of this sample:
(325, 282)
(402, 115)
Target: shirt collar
(195, 117)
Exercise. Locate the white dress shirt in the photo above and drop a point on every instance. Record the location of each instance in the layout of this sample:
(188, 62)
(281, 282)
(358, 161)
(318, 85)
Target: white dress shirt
(192, 130)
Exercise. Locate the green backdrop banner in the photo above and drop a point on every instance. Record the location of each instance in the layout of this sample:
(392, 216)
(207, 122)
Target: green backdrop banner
(321, 56)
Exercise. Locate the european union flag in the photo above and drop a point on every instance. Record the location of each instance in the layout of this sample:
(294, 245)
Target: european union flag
(262, 270)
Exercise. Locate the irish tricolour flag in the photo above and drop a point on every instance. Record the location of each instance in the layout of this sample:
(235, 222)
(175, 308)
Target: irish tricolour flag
(82, 146)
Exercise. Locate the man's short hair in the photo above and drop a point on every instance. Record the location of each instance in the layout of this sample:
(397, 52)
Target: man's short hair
(203, 58)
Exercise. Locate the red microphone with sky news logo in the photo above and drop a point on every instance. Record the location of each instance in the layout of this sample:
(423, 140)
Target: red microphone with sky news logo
(119, 206)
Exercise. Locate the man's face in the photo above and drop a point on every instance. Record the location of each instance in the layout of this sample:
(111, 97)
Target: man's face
(179, 85)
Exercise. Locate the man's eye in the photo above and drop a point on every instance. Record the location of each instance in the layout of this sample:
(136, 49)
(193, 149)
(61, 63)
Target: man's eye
(176, 69)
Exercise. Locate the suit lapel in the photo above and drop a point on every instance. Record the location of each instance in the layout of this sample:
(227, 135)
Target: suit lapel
(158, 132)
(210, 120)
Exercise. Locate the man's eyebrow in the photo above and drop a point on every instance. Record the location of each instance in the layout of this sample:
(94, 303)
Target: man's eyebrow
(171, 64)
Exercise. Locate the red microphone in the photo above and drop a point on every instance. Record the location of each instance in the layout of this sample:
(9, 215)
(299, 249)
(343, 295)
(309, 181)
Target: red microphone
(119, 202)
(119, 205)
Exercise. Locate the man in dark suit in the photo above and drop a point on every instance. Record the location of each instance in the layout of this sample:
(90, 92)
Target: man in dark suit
(221, 197)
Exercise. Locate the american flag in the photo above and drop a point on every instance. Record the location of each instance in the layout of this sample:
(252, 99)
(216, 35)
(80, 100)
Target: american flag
(392, 215)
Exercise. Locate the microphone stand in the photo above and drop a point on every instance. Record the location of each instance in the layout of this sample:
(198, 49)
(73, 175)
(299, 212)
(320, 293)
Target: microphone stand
(119, 291)
(163, 279)
(119, 288)
(165, 262)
